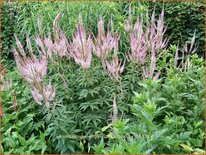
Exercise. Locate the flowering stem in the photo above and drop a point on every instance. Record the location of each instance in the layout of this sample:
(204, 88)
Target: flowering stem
(121, 87)
(85, 73)
(59, 61)
(115, 111)
(40, 88)
(1, 147)
(132, 79)
(133, 69)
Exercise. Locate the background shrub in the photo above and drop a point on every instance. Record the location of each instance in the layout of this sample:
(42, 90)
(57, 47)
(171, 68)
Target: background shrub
(9, 17)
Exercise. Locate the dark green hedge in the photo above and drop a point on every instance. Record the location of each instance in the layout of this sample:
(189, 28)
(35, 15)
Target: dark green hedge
(9, 18)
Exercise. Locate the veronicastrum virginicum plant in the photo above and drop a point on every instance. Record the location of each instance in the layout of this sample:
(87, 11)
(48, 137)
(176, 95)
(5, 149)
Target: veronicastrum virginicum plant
(185, 60)
(33, 71)
(146, 42)
(80, 49)
(106, 44)
(81, 46)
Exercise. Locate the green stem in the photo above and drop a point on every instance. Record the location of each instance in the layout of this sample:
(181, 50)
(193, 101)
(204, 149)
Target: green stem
(0, 130)
(1, 147)
(133, 74)
(59, 62)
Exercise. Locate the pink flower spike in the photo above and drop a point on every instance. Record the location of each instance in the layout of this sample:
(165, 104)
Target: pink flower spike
(105, 43)
(122, 68)
(192, 42)
(40, 43)
(43, 65)
(46, 95)
(176, 57)
(49, 92)
(81, 47)
(29, 46)
(157, 75)
(37, 96)
(55, 26)
(100, 26)
(20, 47)
(50, 46)
(31, 69)
(127, 26)
(115, 68)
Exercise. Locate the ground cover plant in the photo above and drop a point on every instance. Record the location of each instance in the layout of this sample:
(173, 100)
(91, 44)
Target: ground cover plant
(103, 80)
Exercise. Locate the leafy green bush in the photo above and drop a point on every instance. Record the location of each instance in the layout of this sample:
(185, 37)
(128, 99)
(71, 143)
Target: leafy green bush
(168, 116)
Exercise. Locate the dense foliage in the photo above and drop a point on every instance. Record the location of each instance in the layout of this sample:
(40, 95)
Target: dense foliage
(94, 78)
